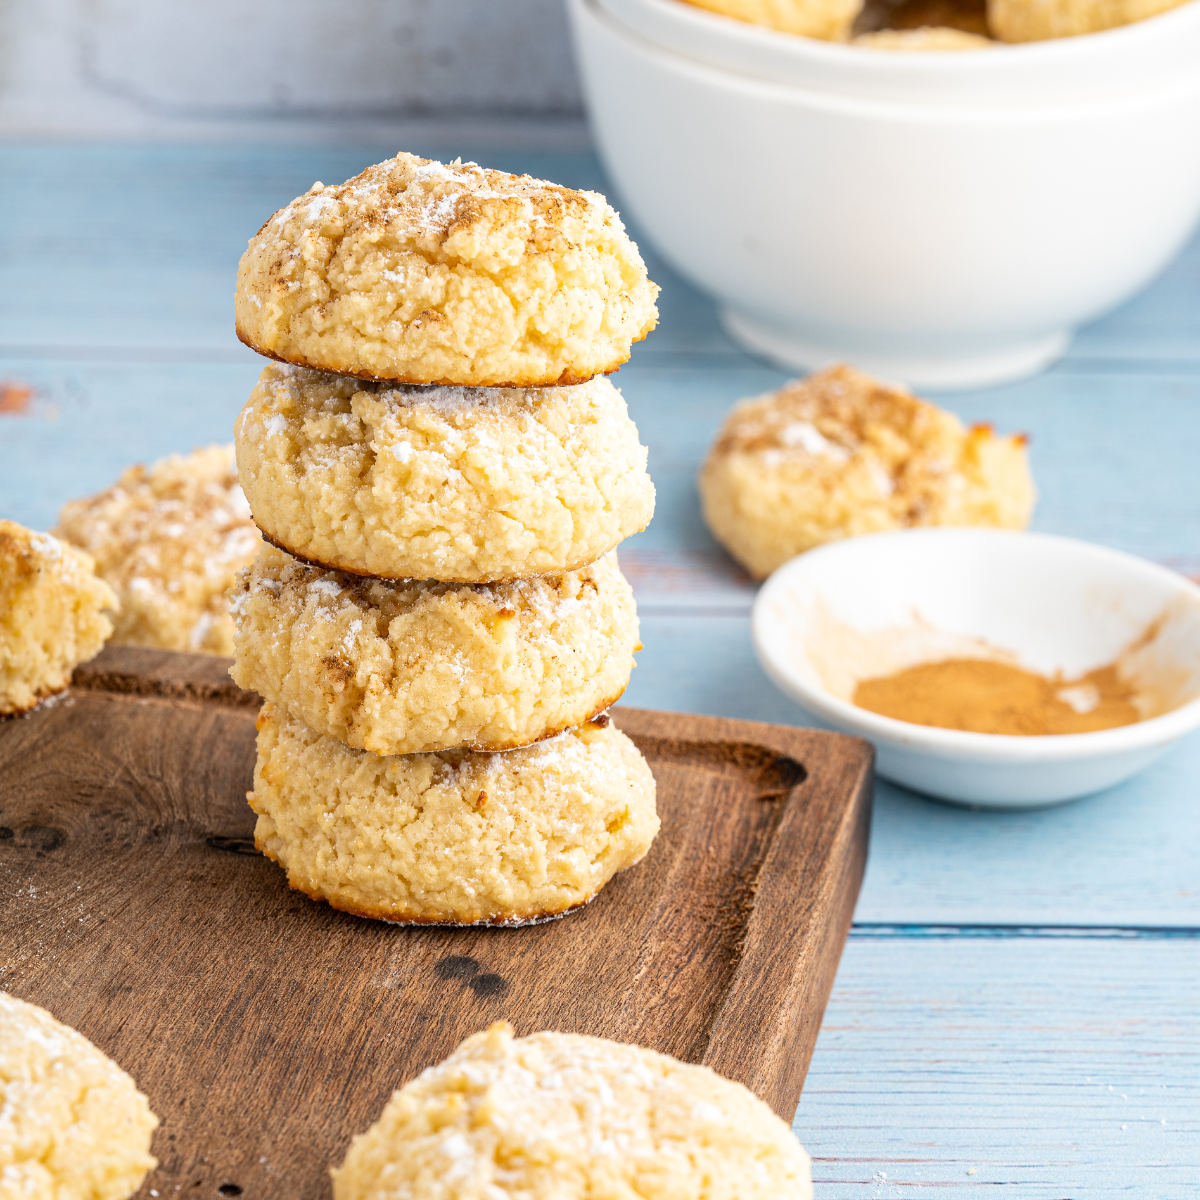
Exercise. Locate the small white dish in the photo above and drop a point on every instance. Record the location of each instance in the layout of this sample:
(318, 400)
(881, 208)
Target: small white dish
(869, 606)
(943, 219)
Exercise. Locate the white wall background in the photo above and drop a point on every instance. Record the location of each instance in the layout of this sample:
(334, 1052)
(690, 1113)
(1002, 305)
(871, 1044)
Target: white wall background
(286, 69)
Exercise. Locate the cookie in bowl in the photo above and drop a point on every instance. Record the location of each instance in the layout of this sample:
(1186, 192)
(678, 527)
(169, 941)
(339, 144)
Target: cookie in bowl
(170, 539)
(828, 20)
(405, 668)
(420, 272)
(840, 454)
(73, 1125)
(461, 485)
(562, 1116)
(54, 615)
(459, 837)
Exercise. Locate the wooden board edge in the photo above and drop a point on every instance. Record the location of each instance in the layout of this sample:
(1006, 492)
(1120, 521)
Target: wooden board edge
(790, 956)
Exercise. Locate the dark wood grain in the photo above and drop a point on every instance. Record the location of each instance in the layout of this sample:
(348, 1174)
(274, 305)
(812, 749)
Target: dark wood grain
(267, 1029)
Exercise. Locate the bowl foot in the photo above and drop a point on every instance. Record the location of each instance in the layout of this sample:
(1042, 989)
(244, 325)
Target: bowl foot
(999, 364)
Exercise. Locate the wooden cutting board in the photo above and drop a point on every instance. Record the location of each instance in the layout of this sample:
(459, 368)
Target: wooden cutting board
(267, 1029)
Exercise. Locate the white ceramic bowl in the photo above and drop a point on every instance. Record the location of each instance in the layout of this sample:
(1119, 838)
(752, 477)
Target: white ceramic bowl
(943, 219)
(872, 605)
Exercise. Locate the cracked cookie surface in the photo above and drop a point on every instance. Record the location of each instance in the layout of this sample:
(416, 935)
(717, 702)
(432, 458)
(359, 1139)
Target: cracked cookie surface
(840, 454)
(461, 485)
(457, 837)
(405, 668)
(419, 272)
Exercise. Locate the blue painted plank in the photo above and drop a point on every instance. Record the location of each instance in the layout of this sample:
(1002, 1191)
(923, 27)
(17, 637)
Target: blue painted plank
(1031, 1067)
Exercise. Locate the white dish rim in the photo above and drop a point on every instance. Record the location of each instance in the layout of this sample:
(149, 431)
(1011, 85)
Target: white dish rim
(957, 744)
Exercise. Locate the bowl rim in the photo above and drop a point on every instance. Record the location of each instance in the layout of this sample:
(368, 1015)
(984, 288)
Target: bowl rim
(958, 744)
(1050, 50)
(892, 90)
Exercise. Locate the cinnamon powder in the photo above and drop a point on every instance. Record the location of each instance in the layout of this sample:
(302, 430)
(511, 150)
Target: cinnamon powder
(993, 697)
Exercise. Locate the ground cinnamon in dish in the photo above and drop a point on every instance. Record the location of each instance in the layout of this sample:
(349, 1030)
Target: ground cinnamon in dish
(993, 697)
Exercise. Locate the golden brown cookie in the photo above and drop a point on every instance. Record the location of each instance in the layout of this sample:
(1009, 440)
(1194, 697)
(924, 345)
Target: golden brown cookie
(417, 272)
(54, 615)
(840, 454)
(462, 485)
(1040, 20)
(457, 837)
(404, 668)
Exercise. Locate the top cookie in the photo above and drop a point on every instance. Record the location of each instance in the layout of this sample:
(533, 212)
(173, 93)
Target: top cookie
(561, 1116)
(416, 272)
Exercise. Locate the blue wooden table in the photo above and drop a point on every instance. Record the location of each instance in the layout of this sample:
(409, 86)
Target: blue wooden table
(1019, 1002)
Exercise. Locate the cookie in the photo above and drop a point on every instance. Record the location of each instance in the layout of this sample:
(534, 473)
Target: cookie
(926, 37)
(416, 272)
(404, 668)
(52, 615)
(462, 485)
(561, 1116)
(73, 1125)
(829, 20)
(840, 454)
(171, 540)
(1040, 20)
(456, 837)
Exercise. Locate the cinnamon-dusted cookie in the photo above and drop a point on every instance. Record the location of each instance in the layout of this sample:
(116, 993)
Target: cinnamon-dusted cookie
(457, 837)
(422, 273)
(54, 615)
(462, 485)
(562, 1116)
(73, 1125)
(170, 539)
(840, 454)
(403, 668)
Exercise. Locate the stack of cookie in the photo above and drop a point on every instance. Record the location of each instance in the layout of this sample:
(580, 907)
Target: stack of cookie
(443, 471)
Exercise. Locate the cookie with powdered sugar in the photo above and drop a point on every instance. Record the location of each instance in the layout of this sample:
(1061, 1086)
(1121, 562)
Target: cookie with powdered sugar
(561, 1116)
(170, 539)
(419, 272)
(54, 615)
(458, 837)
(461, 485)
(840, 454)
(73, 1125)
(405, 668)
